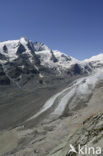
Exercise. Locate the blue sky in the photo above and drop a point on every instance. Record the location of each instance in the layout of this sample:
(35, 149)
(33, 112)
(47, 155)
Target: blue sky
(72, 26)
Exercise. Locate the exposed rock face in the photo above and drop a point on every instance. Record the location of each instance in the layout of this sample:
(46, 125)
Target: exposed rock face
(4, 80)
(89, 134)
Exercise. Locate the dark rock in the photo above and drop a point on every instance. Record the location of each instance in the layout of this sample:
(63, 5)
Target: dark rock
(77, 69)
(66, 58)
(53, 58)
(2, 57)
(5, 50)
(21, 49)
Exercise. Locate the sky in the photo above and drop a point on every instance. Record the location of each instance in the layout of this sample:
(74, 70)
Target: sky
(74, 27)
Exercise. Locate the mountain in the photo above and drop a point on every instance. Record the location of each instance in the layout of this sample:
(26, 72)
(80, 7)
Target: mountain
(17, 59)
(44, 96)
(22, 60)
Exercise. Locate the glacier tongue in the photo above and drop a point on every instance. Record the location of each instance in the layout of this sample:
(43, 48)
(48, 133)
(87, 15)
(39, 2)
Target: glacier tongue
(80, 90)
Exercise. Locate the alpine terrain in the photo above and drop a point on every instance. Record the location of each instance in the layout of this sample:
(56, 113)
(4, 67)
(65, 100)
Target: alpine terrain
(48, 101)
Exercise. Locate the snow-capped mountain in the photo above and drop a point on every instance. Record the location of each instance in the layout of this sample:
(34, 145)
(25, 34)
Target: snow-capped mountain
(21, 60)
(43, 85)
(53, 58)
(95, 61)
(10, 50)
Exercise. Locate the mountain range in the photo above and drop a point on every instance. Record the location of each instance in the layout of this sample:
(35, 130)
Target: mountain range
(21, 60)
(44, 95)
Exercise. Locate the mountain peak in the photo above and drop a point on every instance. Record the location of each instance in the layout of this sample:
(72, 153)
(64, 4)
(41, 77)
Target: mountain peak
(38, 46)
(95, 58)
(23, 40)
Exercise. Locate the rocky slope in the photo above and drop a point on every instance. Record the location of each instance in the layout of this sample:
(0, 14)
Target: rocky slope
(89, 134)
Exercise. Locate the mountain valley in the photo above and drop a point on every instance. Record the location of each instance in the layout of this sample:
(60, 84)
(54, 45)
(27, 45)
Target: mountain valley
(47, 99)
